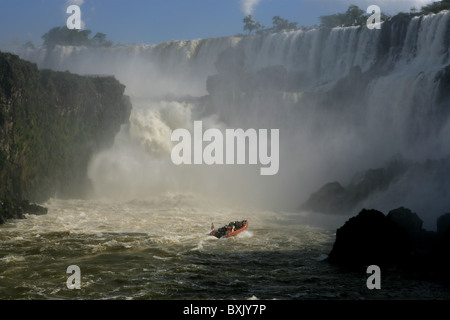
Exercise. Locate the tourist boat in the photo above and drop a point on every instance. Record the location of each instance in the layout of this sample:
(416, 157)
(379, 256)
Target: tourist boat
(230, 230)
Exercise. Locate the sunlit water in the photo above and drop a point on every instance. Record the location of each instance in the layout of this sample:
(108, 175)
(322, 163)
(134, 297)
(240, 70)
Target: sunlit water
(160, 249)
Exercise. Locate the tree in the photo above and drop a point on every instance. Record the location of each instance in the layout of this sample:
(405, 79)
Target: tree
(66, 37)
(353, 17)
(334, 20)
(436, 7)
(100, 40)
(280, 24)
(250, 24)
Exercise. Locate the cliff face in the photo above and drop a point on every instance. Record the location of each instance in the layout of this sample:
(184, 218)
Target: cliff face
(50, 125)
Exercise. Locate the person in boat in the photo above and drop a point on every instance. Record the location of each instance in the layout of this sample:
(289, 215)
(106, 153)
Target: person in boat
(220, 232)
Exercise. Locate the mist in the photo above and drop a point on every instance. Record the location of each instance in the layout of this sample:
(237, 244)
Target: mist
(341, 104)
(249, 6)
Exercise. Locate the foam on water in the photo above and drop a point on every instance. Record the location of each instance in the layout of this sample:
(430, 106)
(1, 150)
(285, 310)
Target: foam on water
(142, 249)
(157, 250)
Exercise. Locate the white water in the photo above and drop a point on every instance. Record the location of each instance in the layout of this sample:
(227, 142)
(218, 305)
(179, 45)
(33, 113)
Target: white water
(158, 249)
(395, 116)
(143, 233)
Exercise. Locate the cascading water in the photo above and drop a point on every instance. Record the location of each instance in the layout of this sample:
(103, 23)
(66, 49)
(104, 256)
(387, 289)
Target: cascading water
(396, 103)
(345, 100)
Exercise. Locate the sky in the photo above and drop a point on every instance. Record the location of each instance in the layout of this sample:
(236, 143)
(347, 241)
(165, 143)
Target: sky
(156, 21)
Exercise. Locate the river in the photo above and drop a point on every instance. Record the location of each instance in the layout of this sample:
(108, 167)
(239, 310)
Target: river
(159, 249)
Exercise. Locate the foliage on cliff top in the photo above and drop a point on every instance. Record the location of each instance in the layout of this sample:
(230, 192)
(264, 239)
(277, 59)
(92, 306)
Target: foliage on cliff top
(66, 37)
(436, 7)
(279, 24)
(355, 16)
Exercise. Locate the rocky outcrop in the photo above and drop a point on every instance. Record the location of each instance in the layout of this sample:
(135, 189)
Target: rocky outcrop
(393, 240)
(51, 123)
(333, 198)
(15, 209)
(443, 225)
(406, 220)
(369, 238)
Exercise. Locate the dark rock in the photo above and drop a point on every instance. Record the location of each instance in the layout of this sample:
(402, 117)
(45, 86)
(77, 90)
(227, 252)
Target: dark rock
(422, 242)
(31, 208)
(396, 240)
(369, 238)
(443, 252)
(17, 209)
(51, 124)
(406, 219)
(333, 198)
(443, 224)
(11, 210)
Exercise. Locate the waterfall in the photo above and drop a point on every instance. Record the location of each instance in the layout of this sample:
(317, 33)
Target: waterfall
(345, 100)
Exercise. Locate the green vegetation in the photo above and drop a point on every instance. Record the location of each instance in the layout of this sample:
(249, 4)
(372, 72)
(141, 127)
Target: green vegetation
(279, 24)
(250, 24)
(66, 37)
(355, 16)
(436, 7)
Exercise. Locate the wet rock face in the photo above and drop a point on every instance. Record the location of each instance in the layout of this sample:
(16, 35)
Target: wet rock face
(51, 123)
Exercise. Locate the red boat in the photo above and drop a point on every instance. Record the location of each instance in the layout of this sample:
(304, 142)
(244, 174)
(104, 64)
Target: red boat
(230, 230)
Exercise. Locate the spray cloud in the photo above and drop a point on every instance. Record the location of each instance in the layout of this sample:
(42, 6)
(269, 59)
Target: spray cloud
(248, 6)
